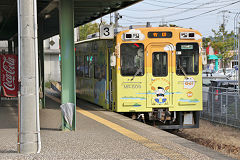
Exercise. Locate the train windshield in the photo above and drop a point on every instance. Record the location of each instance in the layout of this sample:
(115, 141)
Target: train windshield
(132, 59)
(160, 64)
(187, 59)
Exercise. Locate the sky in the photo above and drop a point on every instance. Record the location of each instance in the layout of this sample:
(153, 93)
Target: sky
(202, 15)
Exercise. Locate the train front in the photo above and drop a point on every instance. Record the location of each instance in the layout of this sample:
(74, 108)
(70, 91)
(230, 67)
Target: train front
(158, 75)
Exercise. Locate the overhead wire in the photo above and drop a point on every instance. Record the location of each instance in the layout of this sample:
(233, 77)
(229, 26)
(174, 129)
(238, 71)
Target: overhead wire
(186, 4)
(173, 14)
(138, 22)
(172, 6)
(170, 2)
(129, 21)
(230, 4)
(167, 7)
(160, 9)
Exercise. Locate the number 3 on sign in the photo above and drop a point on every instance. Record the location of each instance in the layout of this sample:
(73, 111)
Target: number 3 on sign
(106, 32)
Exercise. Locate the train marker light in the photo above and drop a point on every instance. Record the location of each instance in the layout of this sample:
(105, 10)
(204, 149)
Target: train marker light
(187, 35)
(178, 52)
(131, 36)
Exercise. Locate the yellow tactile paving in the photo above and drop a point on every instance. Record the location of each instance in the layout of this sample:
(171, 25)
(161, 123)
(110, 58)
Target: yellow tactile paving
(132, 135)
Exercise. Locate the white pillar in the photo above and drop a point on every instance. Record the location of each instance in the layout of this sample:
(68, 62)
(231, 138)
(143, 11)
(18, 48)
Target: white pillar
(28, 77)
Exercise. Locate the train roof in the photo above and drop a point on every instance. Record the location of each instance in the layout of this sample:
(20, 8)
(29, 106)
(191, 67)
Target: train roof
(86, 40)
(163, 29)
(170, 29)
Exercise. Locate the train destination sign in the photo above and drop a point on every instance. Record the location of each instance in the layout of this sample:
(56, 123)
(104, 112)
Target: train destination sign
(186, 46)
(159, 34)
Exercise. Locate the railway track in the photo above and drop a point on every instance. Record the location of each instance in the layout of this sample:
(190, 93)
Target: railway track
(207, 134)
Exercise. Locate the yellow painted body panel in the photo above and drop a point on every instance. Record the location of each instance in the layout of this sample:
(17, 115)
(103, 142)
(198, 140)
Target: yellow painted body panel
(139, 95)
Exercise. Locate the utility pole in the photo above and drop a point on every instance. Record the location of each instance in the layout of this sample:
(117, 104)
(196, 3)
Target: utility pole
(116, 14)
(163, 23)
(110, 18)
(222, 29)
(238, 61)
(224, 22)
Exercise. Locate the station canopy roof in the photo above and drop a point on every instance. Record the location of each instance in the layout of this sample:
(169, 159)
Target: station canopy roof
(48, 15)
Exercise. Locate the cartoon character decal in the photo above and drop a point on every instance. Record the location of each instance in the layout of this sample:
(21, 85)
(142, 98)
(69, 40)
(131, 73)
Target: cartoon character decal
(160, 99)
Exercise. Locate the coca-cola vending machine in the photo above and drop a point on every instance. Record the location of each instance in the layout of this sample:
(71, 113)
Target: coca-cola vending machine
(9, 75)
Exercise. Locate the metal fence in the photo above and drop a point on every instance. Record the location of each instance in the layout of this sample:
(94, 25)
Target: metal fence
(221, 105)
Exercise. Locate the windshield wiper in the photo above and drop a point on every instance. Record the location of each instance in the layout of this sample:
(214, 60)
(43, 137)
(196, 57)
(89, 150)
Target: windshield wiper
(182, 69)
(138, 70)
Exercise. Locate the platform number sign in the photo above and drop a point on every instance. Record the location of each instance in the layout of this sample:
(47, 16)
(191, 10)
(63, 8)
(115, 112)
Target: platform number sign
(106, 32)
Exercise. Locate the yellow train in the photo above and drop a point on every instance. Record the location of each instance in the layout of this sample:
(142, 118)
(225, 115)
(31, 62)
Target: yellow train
(150, 73)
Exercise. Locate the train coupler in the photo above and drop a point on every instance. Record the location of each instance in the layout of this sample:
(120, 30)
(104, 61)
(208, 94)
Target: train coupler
(162, 115)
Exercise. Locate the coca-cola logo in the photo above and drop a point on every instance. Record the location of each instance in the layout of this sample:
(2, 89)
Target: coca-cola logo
(8, 66)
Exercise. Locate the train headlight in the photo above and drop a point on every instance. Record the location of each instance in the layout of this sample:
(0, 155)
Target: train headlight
(187, 35)
(131, 36)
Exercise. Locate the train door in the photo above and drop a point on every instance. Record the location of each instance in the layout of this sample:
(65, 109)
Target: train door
(159, 75)
(109, 79)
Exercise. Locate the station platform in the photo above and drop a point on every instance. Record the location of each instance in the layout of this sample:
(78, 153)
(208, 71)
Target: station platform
(100, 134)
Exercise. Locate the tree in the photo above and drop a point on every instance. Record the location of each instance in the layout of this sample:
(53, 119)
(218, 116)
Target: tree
(205, 42)
(223, 43)
(87, 29)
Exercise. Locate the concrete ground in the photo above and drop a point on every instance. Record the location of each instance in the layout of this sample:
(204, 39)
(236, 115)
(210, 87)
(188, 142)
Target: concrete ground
(100, 134)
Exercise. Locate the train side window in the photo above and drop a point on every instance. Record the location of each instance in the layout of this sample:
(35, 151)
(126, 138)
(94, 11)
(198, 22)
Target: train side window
(91, 66)
(160, 64)
(81, 69)
(99, 68)
(187, 59)
(86, 66)
(79, 66)
(132, 59)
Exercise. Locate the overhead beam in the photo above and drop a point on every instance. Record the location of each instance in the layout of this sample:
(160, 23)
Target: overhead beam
(49, 8)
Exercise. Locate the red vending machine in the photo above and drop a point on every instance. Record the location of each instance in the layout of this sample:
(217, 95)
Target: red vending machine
(9, 75)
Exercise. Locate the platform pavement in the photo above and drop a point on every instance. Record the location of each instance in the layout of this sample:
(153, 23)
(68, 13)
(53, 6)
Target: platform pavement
(100, 134)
